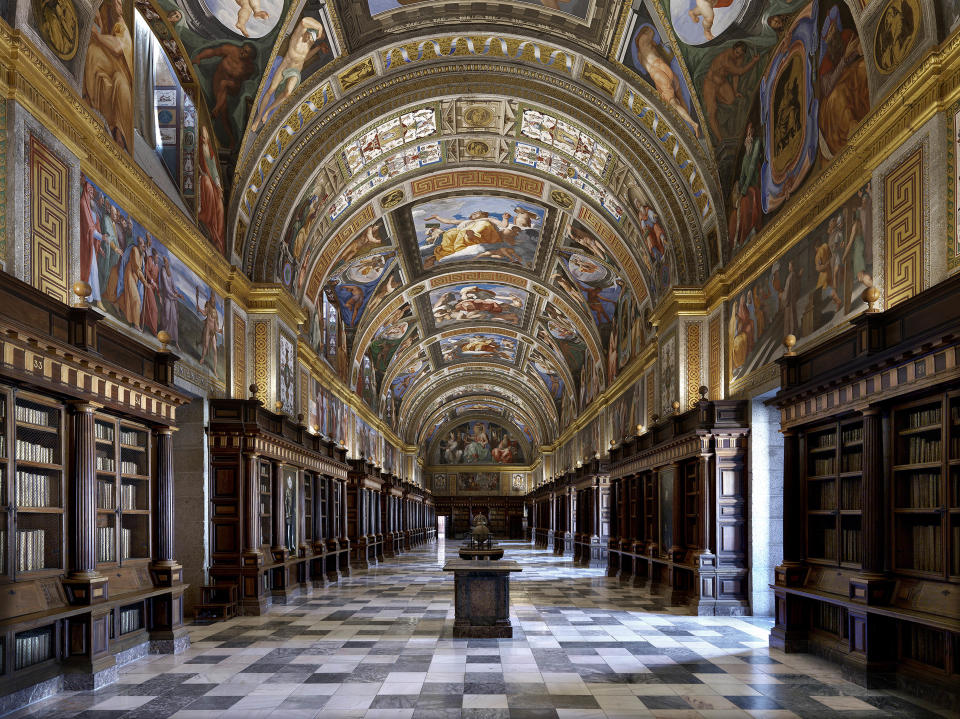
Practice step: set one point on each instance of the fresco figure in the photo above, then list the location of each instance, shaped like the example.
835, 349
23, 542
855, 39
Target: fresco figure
235, 66
169, 320
210, 197
302, 45
130, 289
108, 72
702, 11
211, 327
149, 315
654, 60
248, 9
844, 94
747, 213
721, 84
91, 243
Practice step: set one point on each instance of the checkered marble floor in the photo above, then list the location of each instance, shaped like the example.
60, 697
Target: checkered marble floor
380, 645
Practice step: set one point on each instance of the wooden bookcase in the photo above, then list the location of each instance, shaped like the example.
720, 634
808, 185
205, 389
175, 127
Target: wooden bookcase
278, 522
124, 491
871, 421
86, 496
681, 508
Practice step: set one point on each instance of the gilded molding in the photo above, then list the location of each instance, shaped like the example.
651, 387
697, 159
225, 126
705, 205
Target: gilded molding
693, 363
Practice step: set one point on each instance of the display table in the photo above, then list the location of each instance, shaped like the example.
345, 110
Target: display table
482, 597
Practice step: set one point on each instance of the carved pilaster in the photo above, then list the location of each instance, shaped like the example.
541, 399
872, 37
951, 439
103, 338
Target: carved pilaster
871, 586
165, 570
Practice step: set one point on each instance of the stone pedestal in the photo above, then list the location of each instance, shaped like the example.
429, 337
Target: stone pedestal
482, 597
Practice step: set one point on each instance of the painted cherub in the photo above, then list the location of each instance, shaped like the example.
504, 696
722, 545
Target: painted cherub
248, 8
703, 12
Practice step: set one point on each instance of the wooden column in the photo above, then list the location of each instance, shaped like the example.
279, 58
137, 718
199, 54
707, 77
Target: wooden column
278, 547
84, 584
165, 570
870, 585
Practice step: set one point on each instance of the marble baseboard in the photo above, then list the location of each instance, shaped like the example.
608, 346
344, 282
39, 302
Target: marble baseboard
28, 695
176, 645
82, 681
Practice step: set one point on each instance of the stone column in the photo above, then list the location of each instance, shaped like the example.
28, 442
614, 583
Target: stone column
84, 584
789, 573
165, 570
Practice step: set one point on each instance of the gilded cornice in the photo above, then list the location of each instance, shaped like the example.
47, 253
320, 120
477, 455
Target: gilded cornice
264, 299
679, 302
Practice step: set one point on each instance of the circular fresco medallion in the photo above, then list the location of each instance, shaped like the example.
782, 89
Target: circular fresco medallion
57, 22
896, 34
478, 116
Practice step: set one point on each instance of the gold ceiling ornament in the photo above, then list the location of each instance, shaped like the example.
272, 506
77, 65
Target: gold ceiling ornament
478, 116
561, 199
392, 199
356, 74
477, 148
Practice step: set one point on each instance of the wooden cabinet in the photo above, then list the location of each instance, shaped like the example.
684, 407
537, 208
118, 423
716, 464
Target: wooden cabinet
278, 520
680, 508
86, 496
871, 421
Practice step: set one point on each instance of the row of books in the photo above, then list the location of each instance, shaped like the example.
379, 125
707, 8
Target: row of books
829, 544
827, 440
921, 449
829, 618
922, 490
954, 413
135, 439
954, 448
851, 494
103, 431
852, 434
851, 462
850, 545
821, 495
130, 468
33, 648
927, 548
32, 490
106, 544
823, 466
130, 620
105, 464
104, 495
31, 548
30, 415
925, 645
3, 551
30, 452
923, 418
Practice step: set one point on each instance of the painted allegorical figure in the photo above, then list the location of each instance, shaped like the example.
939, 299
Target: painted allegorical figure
845, 96
108, 72
91, 241
210, 206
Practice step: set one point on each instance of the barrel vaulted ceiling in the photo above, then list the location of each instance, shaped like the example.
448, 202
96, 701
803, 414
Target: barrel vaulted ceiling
478, 204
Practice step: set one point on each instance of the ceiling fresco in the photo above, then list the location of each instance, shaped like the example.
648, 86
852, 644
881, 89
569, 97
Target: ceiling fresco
479, 204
